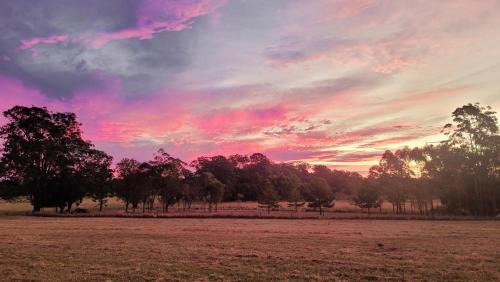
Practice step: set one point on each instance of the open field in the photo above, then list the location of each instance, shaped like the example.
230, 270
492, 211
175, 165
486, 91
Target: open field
115, 205
244, 249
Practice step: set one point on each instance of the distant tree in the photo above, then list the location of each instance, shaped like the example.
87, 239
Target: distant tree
268, 198
98, 176
319, 195
303, 171
420, 192
367, 197
284, 184
41, 154
288, 185
191, 191
446, 171
295, 199
147, 191
212, 189
128, 183
253, 176
392, 175
168, 178
339, 180
224, 169
239, 161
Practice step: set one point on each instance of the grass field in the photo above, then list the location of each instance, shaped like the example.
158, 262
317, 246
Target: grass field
115, 205
101, 249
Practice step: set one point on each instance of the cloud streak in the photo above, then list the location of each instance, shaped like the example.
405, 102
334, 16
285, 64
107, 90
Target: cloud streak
28, 43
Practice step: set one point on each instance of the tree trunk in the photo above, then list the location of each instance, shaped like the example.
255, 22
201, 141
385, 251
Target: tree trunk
101, 203
36, 206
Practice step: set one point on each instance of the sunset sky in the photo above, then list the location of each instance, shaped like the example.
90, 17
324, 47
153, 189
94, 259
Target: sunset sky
327, 82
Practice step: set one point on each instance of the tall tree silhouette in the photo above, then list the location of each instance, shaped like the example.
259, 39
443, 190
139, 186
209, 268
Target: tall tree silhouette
42, 152
98, 176
128, 183
474, 130
319, 195
169, 178
392, 175
212, 189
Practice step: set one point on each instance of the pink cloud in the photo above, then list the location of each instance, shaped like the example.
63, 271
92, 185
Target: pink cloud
352, 157
406, 102
28, 43
394, 64
383, 143
175, 12
140, 33
382, 36
109, 117
434, 94
387, 54
155, 16
349, 8
6, 58
112, 117
241, 120
106, 116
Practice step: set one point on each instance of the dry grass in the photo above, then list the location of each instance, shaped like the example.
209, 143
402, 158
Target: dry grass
102, 249
114, 205
23, 207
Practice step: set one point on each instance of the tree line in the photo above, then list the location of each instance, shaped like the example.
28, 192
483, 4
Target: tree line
463, 171
46, 160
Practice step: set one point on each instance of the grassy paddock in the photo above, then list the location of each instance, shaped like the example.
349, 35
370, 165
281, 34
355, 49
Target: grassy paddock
115, 205
60, 249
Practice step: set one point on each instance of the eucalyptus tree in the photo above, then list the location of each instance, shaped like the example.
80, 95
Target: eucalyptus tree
98, 177
268, 197
226, 170
367, 196
319, 194
168, 178
42, 152
392, 175
475, 131
212, 190
128, 184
